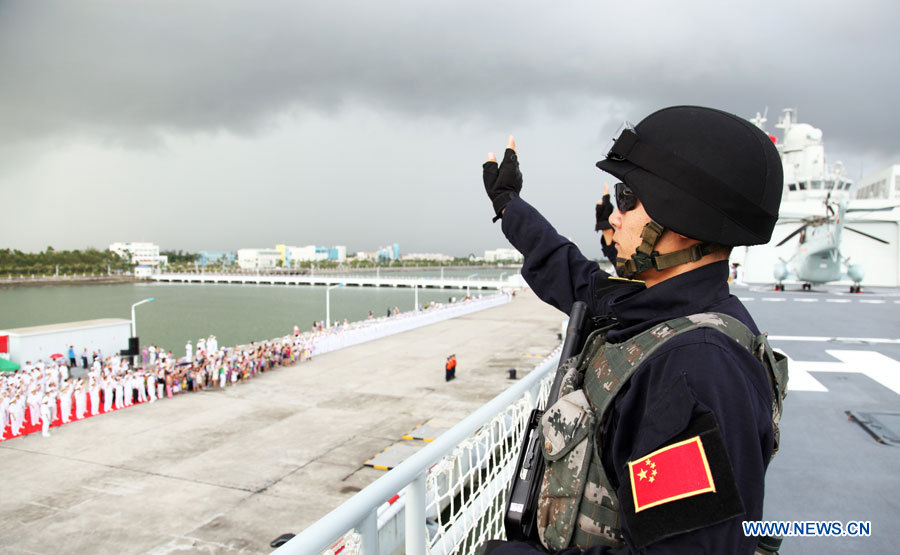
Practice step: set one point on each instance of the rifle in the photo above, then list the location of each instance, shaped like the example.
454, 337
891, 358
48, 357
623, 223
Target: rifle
521, 507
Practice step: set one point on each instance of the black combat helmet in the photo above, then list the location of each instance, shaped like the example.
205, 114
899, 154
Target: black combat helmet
703, 173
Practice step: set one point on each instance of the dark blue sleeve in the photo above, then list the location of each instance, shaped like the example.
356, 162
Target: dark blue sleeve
609, 251
554, 267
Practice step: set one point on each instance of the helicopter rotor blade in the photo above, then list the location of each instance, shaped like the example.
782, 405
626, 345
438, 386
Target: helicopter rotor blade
884, 209
847, 227
795, 232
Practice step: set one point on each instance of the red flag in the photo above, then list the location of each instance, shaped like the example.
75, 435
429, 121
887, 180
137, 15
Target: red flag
674, 472
4, 343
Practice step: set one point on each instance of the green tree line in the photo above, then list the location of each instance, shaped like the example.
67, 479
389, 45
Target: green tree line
14, 261
180, 257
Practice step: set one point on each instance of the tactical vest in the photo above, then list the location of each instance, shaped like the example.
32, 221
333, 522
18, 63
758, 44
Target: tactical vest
578, 505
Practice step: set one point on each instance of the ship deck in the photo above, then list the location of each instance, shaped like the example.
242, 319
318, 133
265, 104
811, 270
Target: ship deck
228, 471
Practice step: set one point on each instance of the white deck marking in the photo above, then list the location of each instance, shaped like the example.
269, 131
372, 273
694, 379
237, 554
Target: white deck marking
806, 300
823, 339
876, 366
799, 378
881, 368
837, 300
871, 301
748, 299
774, 299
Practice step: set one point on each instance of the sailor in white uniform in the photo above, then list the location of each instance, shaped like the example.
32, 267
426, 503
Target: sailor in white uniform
94, 390
34, 404
108, 387
150, 382
80, 399
17, 417
140, 383
65, 402
53, 391
4, 412
119, 386
46, 419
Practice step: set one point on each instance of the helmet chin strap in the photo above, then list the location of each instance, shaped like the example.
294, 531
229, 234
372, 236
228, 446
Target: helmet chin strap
645, 258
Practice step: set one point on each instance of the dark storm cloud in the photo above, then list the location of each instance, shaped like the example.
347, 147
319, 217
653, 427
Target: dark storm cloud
124, 70
141, 94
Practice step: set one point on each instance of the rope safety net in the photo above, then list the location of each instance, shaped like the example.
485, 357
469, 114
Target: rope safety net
466, 490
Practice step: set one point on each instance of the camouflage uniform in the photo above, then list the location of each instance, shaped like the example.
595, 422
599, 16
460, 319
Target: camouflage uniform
578, 504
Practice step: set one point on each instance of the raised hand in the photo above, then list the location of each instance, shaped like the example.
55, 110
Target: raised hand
603, 211
503, 183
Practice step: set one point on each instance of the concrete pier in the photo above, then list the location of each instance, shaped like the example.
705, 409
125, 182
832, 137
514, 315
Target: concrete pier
227, 471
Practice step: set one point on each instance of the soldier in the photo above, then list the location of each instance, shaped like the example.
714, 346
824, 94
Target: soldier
682, 414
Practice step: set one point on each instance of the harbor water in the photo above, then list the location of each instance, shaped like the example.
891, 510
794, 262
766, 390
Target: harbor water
235, 314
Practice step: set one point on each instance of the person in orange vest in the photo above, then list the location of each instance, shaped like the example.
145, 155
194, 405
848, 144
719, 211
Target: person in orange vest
452, 367
449, 369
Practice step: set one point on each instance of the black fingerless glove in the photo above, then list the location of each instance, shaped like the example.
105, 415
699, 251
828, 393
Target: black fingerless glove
603, 212
504, 183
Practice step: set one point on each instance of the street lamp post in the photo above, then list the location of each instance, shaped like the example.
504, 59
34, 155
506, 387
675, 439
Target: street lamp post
416, 289
467, 282
328, 304
133, 325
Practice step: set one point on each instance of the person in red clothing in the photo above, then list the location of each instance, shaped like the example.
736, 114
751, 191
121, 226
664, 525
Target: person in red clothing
449, 368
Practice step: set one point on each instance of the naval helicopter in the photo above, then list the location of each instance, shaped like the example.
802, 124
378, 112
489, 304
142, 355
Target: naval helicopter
817, 258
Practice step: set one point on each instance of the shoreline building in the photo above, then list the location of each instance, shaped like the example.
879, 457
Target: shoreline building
286, 256
144, 254
290, 256
258, 259
227, 258
389, 253
503, 255
426, 257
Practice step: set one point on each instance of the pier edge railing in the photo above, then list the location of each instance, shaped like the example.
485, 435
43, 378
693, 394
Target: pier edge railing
406, 483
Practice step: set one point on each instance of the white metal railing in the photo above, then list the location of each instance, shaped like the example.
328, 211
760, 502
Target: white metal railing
452, 492
349, 280
327, 341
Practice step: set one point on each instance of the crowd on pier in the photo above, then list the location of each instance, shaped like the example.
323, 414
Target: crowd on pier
44, 394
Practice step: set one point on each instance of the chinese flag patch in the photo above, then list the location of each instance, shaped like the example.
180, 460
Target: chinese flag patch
674, 472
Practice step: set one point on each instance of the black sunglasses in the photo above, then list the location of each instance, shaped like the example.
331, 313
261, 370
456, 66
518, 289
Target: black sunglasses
625, 198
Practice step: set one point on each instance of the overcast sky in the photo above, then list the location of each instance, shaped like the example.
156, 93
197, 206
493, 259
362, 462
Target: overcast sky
222, 124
